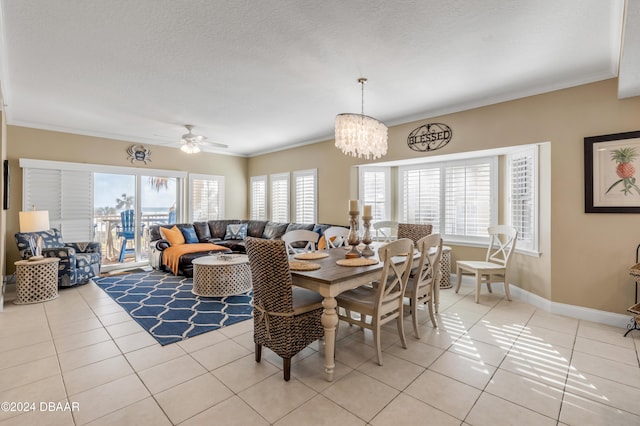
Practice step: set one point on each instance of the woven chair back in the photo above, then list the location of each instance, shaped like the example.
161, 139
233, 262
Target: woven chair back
414, 231
270, 274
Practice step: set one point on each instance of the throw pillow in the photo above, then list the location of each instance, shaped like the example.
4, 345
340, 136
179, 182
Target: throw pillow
190, 236
322, 242
236, 231
173, 235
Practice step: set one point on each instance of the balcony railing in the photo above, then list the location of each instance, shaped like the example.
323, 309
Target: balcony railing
106, 228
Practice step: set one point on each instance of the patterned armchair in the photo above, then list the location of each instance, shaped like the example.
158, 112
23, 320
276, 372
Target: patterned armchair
79, 262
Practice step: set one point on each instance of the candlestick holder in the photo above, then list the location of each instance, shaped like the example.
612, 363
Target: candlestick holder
354, 239
366, 238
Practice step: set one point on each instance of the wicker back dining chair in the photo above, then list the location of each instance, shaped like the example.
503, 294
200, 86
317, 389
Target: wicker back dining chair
425, 279
496, 263
382, 302
414, 231
286, 319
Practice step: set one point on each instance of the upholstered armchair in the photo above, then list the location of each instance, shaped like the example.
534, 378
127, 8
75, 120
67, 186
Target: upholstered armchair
79, 262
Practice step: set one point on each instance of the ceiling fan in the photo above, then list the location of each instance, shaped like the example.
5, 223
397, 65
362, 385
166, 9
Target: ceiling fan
190, 142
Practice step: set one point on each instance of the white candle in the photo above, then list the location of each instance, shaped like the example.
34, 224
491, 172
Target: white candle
367, 210
353, 205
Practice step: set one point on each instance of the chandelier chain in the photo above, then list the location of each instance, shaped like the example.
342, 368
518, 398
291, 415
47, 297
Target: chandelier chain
362, 82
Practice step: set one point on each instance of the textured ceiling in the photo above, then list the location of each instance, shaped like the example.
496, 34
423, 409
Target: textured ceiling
266, 75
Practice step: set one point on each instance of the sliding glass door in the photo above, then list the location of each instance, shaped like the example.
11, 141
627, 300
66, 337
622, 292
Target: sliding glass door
151, 200
113, 194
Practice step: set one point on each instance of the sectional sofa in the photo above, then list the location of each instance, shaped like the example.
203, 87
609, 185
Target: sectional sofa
227, 235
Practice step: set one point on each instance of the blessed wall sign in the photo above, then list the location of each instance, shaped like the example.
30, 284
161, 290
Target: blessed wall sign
429, 137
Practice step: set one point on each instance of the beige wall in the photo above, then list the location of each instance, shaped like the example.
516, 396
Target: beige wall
56, 146
591, 252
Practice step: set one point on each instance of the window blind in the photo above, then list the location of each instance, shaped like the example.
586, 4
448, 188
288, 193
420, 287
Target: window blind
304, 196
207, 197
68, 197
459, 198
468, 195
374, 191
280, 197
420, 196
522, 179
258, 208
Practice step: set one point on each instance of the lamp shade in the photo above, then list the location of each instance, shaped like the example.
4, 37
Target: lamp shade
34, 220
360, 136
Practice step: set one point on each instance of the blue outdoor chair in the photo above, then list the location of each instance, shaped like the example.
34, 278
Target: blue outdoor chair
126, 231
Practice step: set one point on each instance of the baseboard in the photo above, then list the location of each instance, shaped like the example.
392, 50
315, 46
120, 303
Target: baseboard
573, 311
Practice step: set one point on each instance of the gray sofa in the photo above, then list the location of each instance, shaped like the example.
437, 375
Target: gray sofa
228, 233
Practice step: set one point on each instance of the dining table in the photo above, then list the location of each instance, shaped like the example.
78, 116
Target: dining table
331, 279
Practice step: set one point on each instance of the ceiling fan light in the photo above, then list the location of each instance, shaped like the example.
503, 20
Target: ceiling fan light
190, 148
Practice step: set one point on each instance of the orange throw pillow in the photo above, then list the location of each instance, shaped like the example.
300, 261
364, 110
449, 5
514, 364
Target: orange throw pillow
173, 235
322, 242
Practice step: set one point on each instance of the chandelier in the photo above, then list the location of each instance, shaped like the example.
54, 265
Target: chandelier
360, 135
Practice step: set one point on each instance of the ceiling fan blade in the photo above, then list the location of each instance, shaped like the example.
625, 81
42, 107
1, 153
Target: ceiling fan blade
215, 144
194, 139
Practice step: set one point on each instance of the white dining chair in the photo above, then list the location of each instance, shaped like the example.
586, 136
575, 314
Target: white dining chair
496, 264
383, 302
425, 279
385, 230
335, 236
307, 241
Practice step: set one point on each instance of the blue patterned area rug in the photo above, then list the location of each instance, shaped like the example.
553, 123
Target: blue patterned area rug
164, 305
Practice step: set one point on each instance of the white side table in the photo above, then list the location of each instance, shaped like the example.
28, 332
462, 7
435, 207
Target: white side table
36, 280
445, 267
213, 276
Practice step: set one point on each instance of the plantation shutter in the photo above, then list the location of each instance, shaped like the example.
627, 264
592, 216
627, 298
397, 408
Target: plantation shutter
304, 196
374, 191
207, 197
258, 208
468, 199
68, 197
280, 197
522, 180
421, 196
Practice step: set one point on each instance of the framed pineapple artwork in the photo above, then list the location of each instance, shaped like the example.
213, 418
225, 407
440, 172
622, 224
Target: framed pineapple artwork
612, 173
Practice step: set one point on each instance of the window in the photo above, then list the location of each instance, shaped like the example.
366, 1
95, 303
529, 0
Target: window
68, 197
469, 190
522, 205
420, 196
374, 191
305, 196
85, 200
280, 197
206, 197
258, 207
459, 198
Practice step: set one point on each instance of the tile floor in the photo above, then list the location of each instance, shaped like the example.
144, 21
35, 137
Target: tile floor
496, 363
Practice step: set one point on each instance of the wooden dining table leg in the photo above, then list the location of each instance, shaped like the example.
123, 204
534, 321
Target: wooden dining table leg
329, 322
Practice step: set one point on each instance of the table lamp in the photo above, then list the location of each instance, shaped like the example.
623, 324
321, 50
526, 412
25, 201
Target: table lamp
31, 222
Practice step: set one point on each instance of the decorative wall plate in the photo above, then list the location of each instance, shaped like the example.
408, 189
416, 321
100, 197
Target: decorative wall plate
139, 153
